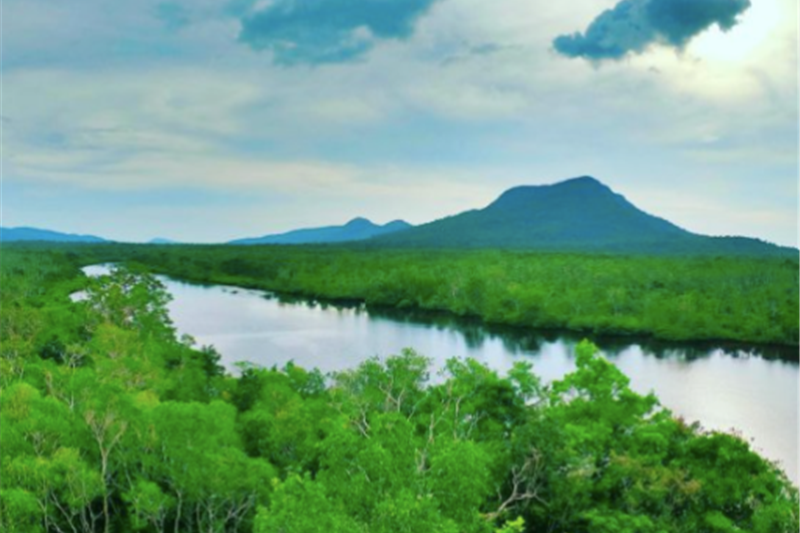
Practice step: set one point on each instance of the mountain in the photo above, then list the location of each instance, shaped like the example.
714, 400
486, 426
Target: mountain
36, 234
161, 240
357, 229
579, 214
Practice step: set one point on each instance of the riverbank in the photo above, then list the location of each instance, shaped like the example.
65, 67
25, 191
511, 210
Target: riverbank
749, 300
720, 390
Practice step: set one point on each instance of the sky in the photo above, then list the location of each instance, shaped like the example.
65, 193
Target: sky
209, 120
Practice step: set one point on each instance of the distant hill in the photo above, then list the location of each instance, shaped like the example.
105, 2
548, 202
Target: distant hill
161, 240
579, 214
357, 229
36, 234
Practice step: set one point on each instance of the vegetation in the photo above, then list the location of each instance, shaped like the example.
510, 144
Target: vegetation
108, 422
746, 299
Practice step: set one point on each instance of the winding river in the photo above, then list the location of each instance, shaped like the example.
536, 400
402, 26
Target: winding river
753, 390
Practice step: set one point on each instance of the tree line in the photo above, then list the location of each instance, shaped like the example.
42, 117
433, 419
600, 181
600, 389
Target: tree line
677, 298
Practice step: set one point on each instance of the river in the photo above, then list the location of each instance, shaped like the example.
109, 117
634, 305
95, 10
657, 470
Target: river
753, 391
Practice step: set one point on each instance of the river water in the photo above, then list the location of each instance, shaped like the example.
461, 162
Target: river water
753, 391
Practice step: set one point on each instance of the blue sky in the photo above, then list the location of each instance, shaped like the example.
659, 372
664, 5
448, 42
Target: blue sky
207, 120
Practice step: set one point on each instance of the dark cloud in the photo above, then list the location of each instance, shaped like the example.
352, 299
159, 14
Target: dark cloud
327, 31
633, 25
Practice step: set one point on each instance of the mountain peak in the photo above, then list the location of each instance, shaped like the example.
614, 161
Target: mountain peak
360, 222
397, 224
580, 213
582, 181
582, 188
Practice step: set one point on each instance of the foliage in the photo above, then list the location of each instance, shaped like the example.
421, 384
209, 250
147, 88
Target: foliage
679, 298
110, 423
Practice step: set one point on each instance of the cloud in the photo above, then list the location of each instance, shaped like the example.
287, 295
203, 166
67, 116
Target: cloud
633, 25
173, 15
135, 108
327, 31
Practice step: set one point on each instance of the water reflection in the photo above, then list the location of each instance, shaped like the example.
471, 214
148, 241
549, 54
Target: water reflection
524, 340
722, 385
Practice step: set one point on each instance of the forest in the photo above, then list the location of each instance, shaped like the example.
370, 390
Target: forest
676, 298
111, 423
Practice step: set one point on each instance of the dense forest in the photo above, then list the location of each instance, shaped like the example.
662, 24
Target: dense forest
110, 423
677, 298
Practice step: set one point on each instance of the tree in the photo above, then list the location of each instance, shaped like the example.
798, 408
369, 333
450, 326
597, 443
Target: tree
289, 510
130, 300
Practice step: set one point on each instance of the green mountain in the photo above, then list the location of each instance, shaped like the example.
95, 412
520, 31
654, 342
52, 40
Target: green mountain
357, 229
36, 234
579, 214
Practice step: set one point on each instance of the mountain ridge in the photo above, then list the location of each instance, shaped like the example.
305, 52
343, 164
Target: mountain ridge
580, 214
30, 234
357, 229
